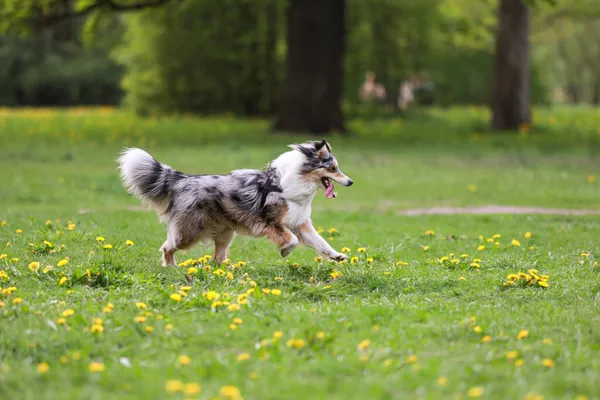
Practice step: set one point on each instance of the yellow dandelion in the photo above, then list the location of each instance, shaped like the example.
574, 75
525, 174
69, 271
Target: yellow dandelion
475, 392
345, 250
61, 321
543, 284
108, 246
471, 188
486, 339
277, 335
169, 327
192, 270
191, 389
243, 356
97, 328
19, 231
515, 242
477, 329
364, 344
174, 386
528, 235
275, 292
532, 396
462, 278
238, 321
96, 367
184, 359
230, 392
425, 248
319, 258
401, 263
99, 239
63, 359
522, 334
175, 297
63, 280
62, 262
547, 341
353, 260
43, 367
411, 359
34, 266
129, 242
212, 295
17, 300
548, 363
67, 313
296, 343
140, 319
233, 307
335, 274
369, 260
519, 362
481, 248
442, 381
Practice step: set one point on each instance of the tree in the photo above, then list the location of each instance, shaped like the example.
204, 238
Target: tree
311, 96
27, 15
510, 74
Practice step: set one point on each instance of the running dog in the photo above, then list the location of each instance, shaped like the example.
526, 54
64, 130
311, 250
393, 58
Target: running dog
275, 202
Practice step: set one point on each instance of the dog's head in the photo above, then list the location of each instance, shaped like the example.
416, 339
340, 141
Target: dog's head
320, 166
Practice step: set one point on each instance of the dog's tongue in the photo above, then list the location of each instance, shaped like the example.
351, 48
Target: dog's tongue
329, 193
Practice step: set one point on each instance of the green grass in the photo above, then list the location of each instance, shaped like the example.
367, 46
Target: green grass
61, 165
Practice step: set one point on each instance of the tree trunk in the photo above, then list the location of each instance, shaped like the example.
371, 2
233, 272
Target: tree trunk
510, 76
312, 92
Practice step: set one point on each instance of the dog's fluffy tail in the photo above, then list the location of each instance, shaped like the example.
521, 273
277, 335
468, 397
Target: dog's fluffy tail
148, 179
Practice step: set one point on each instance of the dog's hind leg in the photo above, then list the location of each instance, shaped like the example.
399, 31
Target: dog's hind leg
183, 233
222, 242
168, 254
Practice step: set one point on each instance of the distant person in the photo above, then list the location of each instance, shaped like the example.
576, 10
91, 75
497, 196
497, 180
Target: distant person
371, 90
406, 94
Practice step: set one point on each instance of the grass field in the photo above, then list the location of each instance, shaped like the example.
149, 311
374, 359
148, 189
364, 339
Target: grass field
422, 311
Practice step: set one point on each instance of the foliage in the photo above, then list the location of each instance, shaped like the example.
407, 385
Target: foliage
42, 72
204, 56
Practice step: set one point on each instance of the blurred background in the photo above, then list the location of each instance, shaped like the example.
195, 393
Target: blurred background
309, 65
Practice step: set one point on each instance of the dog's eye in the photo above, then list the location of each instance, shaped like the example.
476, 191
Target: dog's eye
333, 168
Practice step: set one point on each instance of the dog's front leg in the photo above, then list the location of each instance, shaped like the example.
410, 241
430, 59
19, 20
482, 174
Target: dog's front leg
309, 236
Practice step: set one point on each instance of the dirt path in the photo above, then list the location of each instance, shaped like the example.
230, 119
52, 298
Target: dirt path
495, 209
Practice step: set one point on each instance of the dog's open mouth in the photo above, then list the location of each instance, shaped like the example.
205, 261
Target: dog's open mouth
328, 185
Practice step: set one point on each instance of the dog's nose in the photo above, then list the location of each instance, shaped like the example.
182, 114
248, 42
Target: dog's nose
350, 182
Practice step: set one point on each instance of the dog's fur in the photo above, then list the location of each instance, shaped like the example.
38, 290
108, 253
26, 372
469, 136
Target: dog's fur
275, 202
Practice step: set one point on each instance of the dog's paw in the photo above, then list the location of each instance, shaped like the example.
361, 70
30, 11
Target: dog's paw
286, 251
338, 257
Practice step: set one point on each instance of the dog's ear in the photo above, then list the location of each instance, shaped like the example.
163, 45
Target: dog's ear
323, 149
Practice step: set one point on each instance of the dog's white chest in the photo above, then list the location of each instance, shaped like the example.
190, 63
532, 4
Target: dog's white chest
297, 214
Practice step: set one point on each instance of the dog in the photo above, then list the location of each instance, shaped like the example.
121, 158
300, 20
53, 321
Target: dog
274, 202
